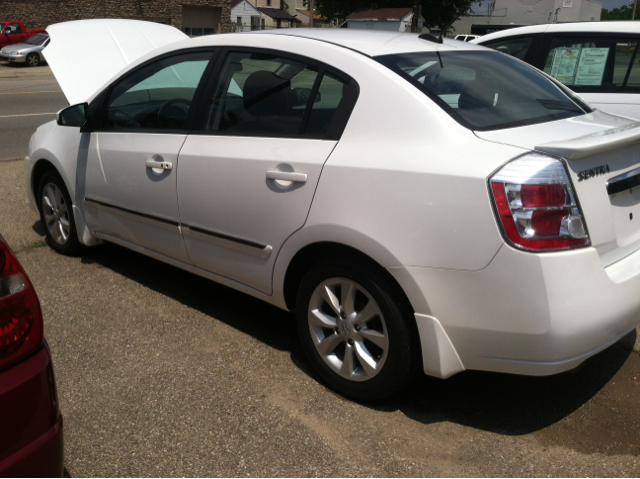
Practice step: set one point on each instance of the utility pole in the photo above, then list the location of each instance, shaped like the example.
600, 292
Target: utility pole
416, 14
635, 4
311, 10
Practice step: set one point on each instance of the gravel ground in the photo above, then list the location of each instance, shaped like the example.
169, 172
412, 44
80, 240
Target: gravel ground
162, 373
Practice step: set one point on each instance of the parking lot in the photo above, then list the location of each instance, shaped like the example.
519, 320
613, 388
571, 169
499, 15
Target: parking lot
163, 373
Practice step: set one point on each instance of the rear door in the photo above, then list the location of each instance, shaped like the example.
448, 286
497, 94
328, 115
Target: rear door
248, 176
133, 162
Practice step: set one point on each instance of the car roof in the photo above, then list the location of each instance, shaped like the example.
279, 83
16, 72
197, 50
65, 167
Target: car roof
369, 42
587, 27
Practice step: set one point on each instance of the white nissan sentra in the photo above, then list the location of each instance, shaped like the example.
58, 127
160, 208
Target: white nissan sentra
417, 204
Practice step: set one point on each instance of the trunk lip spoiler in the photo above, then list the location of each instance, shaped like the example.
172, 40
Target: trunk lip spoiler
594, 143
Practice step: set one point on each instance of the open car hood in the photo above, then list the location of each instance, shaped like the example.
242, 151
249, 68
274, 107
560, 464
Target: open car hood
85, 54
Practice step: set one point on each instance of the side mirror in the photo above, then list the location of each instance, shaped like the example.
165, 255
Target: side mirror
75, 115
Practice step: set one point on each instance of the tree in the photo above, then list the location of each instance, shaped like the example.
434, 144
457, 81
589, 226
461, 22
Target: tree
622, 13
436, 13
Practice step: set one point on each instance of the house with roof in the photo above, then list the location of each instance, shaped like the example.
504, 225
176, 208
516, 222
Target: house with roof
390, 19
303, 15
244, 16
276, 18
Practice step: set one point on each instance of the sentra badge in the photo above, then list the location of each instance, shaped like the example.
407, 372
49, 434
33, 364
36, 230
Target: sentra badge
593, 172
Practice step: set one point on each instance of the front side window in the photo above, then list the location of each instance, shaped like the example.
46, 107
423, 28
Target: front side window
516, 47
591, 65
158, 96
485, 90
14, 28
267, 95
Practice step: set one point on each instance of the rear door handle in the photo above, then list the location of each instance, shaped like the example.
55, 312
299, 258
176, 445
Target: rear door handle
287, 176
162, 165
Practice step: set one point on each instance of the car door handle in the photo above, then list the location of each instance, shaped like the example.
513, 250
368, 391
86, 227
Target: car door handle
287, 176
162, 165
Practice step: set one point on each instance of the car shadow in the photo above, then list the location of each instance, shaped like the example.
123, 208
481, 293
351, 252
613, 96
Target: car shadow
501, 403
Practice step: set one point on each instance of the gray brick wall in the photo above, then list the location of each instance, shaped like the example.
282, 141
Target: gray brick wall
40, 13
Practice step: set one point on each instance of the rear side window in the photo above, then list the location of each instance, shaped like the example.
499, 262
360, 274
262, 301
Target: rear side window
516, 47
485, 90
260, 94
592, 65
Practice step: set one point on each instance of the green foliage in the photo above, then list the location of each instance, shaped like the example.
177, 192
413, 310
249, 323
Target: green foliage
622, 13
436, 13
284, 5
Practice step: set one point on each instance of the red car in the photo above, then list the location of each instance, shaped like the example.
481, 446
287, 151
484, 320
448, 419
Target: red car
31, 443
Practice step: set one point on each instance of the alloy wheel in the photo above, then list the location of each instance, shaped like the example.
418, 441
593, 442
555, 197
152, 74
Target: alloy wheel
348, 329
56, 213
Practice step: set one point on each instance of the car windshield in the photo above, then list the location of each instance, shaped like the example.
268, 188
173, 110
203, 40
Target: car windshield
486, 90
38, 39
2, 25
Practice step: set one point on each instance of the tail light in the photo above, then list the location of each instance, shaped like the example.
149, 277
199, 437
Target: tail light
20, 316
536, 204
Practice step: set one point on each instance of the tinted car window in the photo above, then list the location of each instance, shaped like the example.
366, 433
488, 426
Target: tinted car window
485, 90
267, 95
158, 96
516, 47
593, 64
38, 39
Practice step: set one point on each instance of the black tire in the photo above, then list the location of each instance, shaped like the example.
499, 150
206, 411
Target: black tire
60, 216
33, 60
394, 363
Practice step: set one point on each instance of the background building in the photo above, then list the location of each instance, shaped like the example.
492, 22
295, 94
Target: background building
390, 19
194, 17
244, 16
503, 14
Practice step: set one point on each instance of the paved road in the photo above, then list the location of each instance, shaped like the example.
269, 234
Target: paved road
29, 97
162, 373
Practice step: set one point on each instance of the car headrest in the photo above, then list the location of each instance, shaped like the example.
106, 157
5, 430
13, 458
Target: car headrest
265, 94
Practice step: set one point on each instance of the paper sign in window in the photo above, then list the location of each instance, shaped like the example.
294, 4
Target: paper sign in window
565, 61
591, 66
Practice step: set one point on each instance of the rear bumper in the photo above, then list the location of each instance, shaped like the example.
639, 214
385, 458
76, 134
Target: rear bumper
41, 458
31, 442
533, 314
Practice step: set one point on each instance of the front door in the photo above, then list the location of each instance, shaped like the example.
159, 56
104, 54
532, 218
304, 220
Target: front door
130, 194
248, 177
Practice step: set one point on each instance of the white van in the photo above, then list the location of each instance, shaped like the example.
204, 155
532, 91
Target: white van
597, 60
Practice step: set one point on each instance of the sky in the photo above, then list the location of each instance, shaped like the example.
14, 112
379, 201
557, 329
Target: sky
607, 4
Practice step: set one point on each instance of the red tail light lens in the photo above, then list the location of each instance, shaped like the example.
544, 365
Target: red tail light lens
21, 328
536, 204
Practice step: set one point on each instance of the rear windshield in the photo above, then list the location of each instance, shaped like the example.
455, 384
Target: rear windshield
486, 90
38, 39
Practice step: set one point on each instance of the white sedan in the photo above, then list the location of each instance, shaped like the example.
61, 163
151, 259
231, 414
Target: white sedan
420, 205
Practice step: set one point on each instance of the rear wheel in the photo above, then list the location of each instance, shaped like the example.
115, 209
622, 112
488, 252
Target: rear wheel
56, 214
33, 59
353, 329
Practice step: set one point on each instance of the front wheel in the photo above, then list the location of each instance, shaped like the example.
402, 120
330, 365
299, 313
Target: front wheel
353, 329
33, 59
56, 214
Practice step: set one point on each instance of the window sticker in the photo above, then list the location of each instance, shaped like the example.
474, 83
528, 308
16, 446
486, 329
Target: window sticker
591, 66
565, 61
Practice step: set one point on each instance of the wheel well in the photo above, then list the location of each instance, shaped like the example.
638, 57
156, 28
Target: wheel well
311, 254
40, 169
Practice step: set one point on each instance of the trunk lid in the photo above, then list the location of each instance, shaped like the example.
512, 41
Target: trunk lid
602, 152
85, 54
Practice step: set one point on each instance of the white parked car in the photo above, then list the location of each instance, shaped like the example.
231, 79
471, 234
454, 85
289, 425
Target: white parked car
597, 60
466, 38
417, 204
